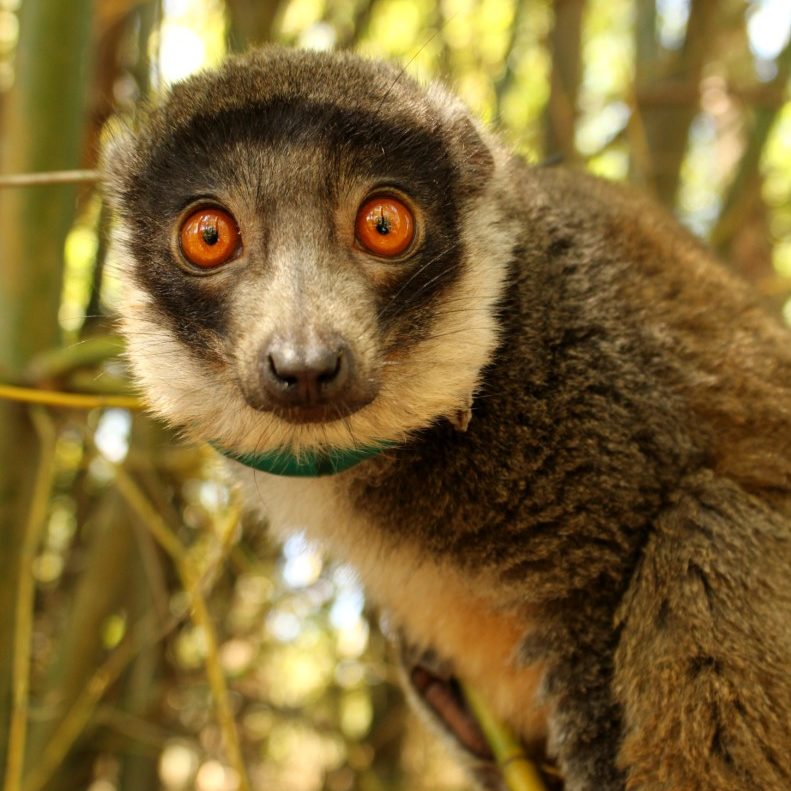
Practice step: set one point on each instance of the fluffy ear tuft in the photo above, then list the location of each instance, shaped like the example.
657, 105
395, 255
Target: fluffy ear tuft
116, 160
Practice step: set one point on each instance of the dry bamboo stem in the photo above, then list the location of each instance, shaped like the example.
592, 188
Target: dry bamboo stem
43, 178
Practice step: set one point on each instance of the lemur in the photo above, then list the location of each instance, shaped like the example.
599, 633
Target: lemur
550, 432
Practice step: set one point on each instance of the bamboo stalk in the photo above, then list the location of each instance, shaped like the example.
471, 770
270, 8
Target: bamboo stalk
519, 773
200, 614
43, 117
566, 52
46, 177
26, 588
738, 194
57, 398
507, 77
73, 722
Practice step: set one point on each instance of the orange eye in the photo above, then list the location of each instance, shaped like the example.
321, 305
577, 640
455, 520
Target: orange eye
385, 226
209, 237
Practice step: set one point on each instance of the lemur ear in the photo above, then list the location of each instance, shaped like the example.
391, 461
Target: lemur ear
475, 152
472, 145
116, 160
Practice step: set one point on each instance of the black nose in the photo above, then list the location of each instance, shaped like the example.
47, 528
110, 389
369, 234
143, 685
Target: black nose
306, 374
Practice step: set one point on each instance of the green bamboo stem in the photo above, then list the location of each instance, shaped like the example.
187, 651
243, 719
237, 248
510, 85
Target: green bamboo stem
519, 773
56, 398
507, 78
26, 588
43, 117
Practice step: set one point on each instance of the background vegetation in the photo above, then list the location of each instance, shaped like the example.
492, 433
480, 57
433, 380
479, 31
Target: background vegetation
150, 639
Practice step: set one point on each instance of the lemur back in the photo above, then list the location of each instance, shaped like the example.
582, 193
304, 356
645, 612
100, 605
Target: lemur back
559, 432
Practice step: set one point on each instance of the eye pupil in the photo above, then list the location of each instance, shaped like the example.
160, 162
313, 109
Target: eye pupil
210, 234
382, 225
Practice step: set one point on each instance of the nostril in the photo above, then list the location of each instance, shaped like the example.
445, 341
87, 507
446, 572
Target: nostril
330, 374
282, 374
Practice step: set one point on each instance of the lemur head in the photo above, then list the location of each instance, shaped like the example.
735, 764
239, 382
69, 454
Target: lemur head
312, 248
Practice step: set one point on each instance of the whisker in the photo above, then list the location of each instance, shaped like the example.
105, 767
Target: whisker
422, 268
403, 69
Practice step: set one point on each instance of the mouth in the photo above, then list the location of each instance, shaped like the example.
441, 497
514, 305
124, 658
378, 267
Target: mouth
310, 411
315, 413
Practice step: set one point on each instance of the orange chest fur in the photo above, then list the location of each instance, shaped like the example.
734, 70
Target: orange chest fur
438, 609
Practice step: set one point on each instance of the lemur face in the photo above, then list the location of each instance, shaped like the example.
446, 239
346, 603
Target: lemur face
311, 252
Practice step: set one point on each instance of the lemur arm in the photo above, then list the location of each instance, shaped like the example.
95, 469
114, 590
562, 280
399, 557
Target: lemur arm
705, 694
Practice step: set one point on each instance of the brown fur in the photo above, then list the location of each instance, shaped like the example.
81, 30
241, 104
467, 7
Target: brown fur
605, 550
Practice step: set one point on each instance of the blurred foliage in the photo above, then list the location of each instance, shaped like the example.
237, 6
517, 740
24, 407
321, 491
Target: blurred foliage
134, 596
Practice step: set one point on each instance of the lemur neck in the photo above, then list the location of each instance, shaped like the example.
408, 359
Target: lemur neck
306, 464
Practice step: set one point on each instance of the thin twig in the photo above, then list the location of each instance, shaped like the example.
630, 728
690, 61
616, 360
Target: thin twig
31, 395
519, 773
26, 589
200, 613
49, 177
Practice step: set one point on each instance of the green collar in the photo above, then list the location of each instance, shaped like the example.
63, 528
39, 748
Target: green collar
309, 464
